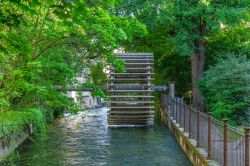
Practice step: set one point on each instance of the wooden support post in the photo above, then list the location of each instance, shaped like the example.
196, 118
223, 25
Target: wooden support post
225, 142
247, 129
198, 128
209, 156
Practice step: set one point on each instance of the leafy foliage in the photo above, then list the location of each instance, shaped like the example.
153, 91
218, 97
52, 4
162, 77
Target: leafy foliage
46, 43
14, 122
173, 31
95, 90
225, 87
52, 42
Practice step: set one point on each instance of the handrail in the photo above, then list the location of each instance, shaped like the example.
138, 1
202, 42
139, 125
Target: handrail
226, 144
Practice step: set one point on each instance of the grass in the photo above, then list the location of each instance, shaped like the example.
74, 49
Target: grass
14, 122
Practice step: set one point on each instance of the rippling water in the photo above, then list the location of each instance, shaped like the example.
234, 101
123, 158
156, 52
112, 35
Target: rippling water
85, 139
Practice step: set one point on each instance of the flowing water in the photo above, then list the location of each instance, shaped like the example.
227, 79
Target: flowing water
86, 140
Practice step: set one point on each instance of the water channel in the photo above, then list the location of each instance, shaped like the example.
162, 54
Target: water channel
86, 140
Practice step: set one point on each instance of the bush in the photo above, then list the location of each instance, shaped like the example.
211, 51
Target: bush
226, 89
14, 122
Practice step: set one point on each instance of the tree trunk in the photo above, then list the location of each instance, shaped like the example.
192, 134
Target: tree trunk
197, 62
197, 72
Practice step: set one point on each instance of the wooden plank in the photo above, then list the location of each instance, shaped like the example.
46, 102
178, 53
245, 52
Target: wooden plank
134, 54
131, 79
130, 74
128, 90
127, 64
139, 68
132, 102
131, 107
136, 57
131, 117
131, 120
130, 112
137, 60
142, 96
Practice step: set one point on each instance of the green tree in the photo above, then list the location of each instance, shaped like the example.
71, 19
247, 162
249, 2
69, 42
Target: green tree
46, 43
183, 28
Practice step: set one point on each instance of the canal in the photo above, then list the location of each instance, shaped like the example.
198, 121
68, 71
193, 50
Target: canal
85, 139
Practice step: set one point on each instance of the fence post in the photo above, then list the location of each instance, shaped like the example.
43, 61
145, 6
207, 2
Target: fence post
172, 107
180, 111
247, 129
184, 114
189, 121
171, 89
176, 112
209, 136
225, 142
198, 128
172, 95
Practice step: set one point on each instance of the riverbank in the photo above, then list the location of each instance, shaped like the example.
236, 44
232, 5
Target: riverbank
16, 126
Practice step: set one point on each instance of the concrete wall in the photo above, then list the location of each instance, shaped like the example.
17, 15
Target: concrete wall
8, 145
196, 155
85, 100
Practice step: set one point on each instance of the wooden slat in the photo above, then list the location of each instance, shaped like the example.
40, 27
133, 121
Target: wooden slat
132, 102
142, 96
132, 117
127, 64
131, 107
139, 68
131, 74
137, 60
132, 79
136, 57
134, 54
131, 112
126, 91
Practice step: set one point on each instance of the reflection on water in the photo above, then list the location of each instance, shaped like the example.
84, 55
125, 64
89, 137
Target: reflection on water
85, 139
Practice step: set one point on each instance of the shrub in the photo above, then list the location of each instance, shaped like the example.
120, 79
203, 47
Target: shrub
226, 88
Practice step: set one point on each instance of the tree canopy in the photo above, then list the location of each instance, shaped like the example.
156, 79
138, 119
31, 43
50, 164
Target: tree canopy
46, 43
52, 42
189, 31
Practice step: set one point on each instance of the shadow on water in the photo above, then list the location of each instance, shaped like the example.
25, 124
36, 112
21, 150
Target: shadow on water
85, 139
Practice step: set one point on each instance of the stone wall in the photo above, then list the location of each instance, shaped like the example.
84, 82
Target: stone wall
8, 145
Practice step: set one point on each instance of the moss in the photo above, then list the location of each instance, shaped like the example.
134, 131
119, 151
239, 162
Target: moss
14, 122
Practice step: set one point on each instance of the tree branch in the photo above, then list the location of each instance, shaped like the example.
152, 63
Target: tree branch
52, 44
